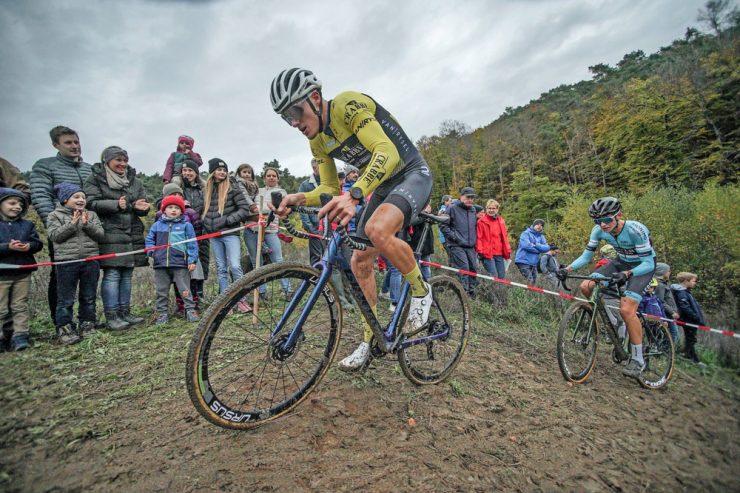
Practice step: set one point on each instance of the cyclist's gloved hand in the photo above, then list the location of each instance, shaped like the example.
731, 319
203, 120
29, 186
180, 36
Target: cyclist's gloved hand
620, 278
562, 274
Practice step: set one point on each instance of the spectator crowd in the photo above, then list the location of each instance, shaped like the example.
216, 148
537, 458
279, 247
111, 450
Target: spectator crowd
97, 210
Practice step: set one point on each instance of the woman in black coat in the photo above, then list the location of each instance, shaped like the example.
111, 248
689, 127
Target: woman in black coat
117, 196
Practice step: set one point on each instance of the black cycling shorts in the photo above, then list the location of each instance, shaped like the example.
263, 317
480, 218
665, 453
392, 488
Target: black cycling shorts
636, 285
409, 190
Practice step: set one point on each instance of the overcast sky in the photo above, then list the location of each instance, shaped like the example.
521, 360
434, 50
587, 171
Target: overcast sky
139, 73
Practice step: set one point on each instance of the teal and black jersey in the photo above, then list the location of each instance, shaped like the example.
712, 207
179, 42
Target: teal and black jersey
632, 244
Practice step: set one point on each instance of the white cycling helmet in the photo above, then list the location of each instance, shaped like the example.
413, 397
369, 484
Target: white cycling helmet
291, 86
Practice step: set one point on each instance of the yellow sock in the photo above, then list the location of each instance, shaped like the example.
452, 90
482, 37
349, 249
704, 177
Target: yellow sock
367, 331
416, 281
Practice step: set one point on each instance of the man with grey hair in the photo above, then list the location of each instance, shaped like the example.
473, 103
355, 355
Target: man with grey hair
66, 167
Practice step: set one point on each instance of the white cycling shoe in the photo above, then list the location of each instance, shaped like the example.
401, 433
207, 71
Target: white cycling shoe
357, 359
419, 309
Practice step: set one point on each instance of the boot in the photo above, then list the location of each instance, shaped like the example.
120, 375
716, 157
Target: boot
68, 334
115, 322
125, 314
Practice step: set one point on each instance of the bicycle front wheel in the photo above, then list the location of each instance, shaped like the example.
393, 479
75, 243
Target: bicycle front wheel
241, 371
658, 352
577, 342
432, 362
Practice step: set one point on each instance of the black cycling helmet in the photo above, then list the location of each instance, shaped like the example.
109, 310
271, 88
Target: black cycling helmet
291, 86
605, 206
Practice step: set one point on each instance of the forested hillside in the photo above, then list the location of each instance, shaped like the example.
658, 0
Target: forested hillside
662, 126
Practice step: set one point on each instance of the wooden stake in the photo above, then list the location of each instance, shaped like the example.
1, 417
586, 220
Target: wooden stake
258, 261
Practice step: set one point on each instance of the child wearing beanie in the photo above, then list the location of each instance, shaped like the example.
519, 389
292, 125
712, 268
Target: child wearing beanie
172, 263
184, 151
75, 233
196, 276
664, 293
18, 242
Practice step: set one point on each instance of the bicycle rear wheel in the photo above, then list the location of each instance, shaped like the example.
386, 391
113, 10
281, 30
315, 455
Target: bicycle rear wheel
658, 352
434, 361
239, 374
577, 342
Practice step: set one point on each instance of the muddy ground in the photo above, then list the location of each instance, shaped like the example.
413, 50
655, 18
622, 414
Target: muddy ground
112, 414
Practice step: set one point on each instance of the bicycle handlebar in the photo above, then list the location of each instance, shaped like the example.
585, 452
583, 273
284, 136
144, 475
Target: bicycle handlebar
325, 198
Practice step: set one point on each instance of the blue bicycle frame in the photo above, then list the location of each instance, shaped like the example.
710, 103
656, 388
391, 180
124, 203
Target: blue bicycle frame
387, 340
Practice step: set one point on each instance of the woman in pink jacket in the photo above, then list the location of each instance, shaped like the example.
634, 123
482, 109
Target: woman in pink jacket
493, 240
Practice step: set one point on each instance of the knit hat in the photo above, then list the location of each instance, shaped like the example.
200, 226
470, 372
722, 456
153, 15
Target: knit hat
171, 188
554, 247
661, 269
6, 193
186, 138
189, 163
172, 200
538, 221
216, 163
65, 190
112, 152
348, 168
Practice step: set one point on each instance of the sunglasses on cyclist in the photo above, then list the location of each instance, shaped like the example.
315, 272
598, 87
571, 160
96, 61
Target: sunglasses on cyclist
604, 220
293, 114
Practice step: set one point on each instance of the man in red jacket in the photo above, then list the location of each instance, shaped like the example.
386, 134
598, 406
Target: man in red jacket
493, 241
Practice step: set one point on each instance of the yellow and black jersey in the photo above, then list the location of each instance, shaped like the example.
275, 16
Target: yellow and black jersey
362, 133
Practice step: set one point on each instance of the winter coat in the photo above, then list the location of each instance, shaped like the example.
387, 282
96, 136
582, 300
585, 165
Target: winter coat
493, 238
17, 229
664, 293
236, 209
688, 308
52, 171
124, 231
461, 231
266, 194
193, 194
250, 191
651, 305
174, 164
189, 214
167, 231
74, 241
531, 244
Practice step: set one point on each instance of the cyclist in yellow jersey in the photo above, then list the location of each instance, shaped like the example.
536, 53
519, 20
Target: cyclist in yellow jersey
355, 129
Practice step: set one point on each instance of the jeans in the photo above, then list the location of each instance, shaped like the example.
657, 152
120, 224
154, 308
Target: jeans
529, 272
426, 271
673, 328
69, 276
495, 266
51, 292
276, 254
465, 258
116, 287
227, 250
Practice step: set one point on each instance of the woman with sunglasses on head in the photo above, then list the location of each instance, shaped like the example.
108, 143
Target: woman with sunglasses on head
634, 267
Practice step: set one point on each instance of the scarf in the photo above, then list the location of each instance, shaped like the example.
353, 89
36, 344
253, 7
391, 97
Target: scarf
115, 181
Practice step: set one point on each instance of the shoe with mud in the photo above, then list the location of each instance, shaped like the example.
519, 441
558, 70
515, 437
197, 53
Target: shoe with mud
125, 314
357, 359
67, 335
633, 369
115, 322
162, 318
87, 329
193, 316
419, 309
19, 342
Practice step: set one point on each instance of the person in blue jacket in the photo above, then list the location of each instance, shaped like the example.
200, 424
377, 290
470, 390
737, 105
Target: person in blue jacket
689, 311
532, 243
173, 263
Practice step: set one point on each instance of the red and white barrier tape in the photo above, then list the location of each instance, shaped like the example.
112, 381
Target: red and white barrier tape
569, 297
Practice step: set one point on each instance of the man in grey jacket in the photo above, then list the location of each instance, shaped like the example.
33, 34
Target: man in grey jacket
66, 167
